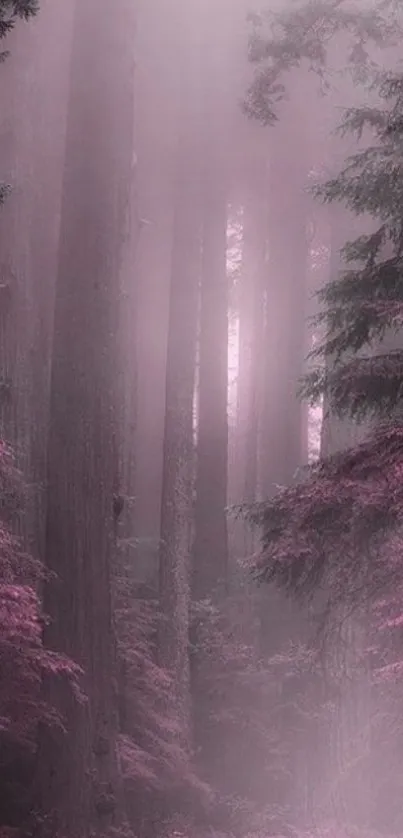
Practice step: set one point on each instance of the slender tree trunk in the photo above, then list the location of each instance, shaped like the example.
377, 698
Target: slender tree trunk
210, 558
156, 105
211, 547
79, 771
347, 759
16, 170
283, 419
250, 340
178, 452
283, 428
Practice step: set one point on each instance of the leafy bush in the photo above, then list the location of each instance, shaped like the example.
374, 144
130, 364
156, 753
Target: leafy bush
158, 772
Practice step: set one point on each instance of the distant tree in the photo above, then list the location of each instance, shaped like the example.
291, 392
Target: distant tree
210, 564
284, 431
210, 551
251, 311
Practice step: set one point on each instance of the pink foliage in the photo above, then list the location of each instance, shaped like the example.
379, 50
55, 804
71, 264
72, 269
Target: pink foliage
340, 528
23, 658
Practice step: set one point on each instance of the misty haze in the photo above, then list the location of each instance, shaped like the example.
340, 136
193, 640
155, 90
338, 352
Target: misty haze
201, 419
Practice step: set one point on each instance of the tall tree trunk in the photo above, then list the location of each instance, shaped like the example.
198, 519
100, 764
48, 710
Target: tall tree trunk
251, 310
346, 769
283, 421
178, 452
79, 771
210, 555
283, 426
16, 166
48, 114
32, 139
210, 567
32, 131
156, 105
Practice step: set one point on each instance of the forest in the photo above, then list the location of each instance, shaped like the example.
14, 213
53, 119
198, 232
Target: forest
201, 438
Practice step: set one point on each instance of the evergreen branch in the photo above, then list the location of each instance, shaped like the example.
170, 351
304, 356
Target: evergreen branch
369, 183
331, 527
303, 34
357, 119
5, 190
353, 327
360, 387
23, 9
362, 304
11, 10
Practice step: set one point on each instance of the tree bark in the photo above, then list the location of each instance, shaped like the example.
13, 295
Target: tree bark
32, 131
48, 114
79, 771
157, 100
283, 426
210, 567
210, 554
251, 310
348, 738
178, 451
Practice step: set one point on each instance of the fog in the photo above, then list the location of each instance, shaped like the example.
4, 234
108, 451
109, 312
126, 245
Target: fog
199, 588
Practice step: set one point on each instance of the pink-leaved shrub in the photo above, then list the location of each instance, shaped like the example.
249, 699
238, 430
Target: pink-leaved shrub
23, 659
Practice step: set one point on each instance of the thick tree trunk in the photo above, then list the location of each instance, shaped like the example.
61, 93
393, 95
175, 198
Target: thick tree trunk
32, 142
32, 136
79, 771
48, 103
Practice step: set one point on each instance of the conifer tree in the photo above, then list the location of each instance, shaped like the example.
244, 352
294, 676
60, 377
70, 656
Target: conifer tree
334, 538
336, 523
